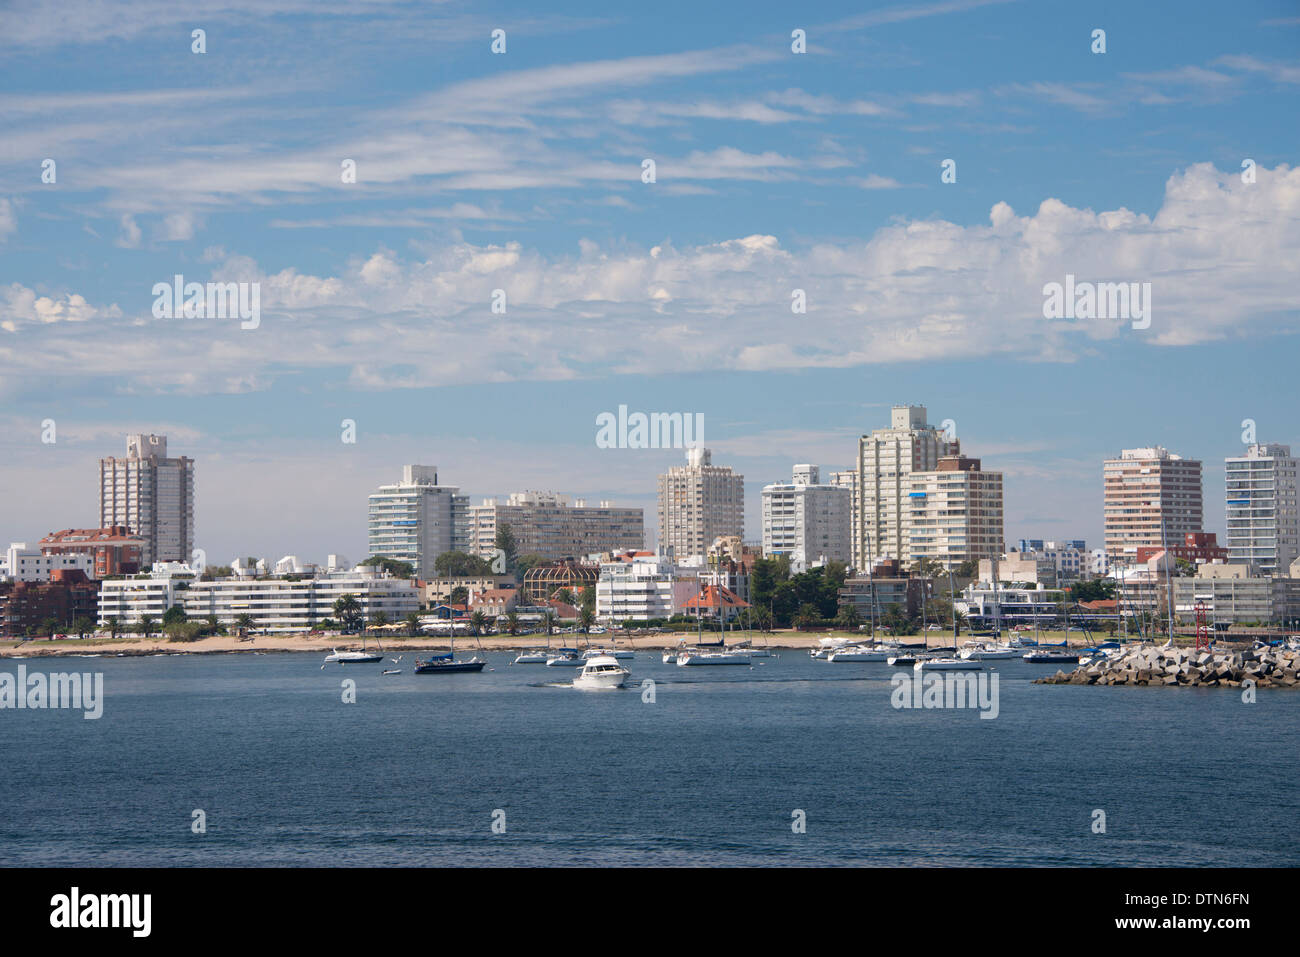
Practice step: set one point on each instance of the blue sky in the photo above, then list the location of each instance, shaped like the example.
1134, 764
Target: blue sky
522, 171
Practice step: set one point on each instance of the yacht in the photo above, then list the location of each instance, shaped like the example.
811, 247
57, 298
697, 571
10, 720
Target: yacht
947, 664
901, 660
712, 658
1051, 658
861, 653
600, 672
447, 664
352, 657
622, 654
983, 652
531, 658
670, 657
567, 658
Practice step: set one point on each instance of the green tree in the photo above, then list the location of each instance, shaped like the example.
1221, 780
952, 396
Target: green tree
348, 611
806, 616
565, 595
512, 623
588, 598
393, 566
147, 624
586, 618
174, 615
549, 618
413, 624
379, 619
83, 625
478, 622
459, 595
114, 626
505, 540
848, 617
461, 565
243, 622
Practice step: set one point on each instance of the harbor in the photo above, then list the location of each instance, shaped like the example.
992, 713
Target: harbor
707, 772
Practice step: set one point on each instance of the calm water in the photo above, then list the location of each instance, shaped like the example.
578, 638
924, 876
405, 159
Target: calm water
708, 774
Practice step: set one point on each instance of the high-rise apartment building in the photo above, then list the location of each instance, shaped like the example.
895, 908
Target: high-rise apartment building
806, 520
1151, 497
416, 520
1263, 521
886, 460
954, 513
698, 502
916, 497
152, 496
545, 524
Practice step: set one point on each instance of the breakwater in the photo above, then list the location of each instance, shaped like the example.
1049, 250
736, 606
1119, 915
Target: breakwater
1153, 665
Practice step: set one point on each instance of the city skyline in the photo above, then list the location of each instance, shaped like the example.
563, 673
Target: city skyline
777, 172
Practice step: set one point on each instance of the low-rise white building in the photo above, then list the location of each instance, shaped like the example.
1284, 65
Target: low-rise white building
275, 605
24, 564
278, 605
642, 588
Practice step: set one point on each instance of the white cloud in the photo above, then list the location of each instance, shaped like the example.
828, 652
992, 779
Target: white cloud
1222, 258
8, 222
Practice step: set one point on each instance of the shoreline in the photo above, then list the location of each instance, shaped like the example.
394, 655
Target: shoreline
786, 640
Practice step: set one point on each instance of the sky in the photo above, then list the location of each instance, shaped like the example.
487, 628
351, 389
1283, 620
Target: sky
1169, 159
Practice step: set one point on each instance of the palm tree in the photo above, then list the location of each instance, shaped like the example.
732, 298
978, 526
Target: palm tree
379, 619
550, 622
348, 611
477, 622
147, 624
114, 626
243, 623
82, 625
512, 623
413, 624
586, 618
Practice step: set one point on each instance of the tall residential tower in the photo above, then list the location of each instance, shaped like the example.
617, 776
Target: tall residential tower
416, 520
152, 496
698, 502
1151, 497
1263, 522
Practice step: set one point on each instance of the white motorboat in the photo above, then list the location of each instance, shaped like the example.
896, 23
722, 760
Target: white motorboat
568, 658
712, 658
862, 653
531, 658
947, 664
601, 672
982, 652
670, 657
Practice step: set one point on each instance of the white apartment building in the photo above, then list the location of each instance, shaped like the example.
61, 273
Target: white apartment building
24, 564
1071, 559
152, 495
130, 599
1150, 492
416, 520
699, 502
645, 587
545, 524
1262, 511
806, 520
274, 604
279, 605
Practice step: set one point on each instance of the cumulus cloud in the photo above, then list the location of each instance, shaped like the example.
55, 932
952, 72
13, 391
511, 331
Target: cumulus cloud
1221, 255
